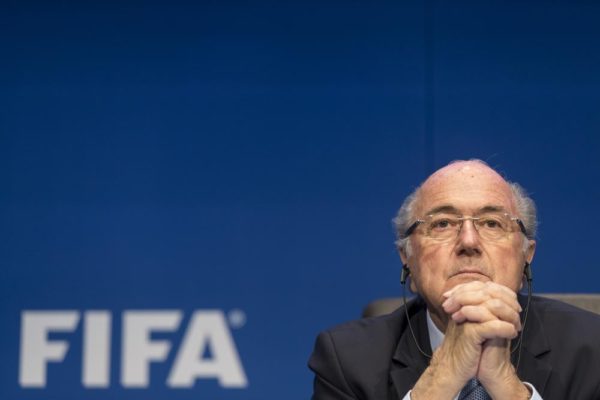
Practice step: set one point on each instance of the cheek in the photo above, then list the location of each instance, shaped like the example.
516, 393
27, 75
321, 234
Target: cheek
435, 258
508, 268
430, 267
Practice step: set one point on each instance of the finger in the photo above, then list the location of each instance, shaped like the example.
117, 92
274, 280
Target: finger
492, 287
468, 294
477, 285
474, 285
488, 311
501, 288
504, 312
503, 308
473, 314
504, 293
496, 329
465, 298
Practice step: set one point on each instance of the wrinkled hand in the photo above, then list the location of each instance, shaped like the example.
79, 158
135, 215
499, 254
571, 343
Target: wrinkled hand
483, 319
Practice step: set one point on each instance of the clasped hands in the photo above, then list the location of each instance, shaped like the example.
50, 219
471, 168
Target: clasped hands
482, 319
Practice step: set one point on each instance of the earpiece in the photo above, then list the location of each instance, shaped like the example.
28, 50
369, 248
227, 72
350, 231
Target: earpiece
404, 275
527, 272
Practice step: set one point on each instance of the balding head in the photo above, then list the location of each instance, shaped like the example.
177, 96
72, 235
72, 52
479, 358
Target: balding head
464, 178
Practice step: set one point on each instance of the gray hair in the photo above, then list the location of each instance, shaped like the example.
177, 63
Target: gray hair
525, 208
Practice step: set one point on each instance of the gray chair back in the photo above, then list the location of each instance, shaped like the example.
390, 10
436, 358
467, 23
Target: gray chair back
590, 302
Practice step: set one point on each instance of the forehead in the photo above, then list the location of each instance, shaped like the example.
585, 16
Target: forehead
466, 186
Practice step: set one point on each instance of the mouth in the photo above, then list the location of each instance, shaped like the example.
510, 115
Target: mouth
473, 273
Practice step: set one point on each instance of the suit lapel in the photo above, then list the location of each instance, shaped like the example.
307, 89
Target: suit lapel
408, 363
532, 367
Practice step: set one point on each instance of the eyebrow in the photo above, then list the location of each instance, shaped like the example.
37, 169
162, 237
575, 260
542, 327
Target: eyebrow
446, 208
450, 209
487, 209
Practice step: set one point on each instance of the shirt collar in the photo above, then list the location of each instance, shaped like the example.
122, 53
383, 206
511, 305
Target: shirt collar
436, 337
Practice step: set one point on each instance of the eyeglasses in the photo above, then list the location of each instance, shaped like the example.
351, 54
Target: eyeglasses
490, 226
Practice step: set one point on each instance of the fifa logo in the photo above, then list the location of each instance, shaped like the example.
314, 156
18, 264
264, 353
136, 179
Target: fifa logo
207, 329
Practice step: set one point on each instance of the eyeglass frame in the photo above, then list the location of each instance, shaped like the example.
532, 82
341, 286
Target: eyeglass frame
415, 224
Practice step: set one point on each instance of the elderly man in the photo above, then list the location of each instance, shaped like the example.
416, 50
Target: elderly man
466, 238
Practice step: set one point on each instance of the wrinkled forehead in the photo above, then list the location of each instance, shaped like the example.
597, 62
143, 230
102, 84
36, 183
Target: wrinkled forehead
466, 186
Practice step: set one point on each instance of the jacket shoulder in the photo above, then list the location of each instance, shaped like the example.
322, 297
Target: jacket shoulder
571, 351
353, 359
562, 319
369, 338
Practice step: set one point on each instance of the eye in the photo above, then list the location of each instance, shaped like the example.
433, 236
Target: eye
491, 223
440, 224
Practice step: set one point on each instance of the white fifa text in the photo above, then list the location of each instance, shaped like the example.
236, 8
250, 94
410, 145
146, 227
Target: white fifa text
206, 329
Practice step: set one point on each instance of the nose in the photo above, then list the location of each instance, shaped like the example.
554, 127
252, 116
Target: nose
469, 241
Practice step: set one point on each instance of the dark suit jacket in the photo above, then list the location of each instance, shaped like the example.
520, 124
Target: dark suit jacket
376, 358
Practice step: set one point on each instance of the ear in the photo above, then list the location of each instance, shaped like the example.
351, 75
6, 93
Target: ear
403, 256
413, 287
530, 251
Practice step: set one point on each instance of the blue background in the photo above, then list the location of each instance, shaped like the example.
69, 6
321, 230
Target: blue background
194, 155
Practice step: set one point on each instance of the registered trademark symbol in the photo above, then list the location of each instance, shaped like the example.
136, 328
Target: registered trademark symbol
237, 318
